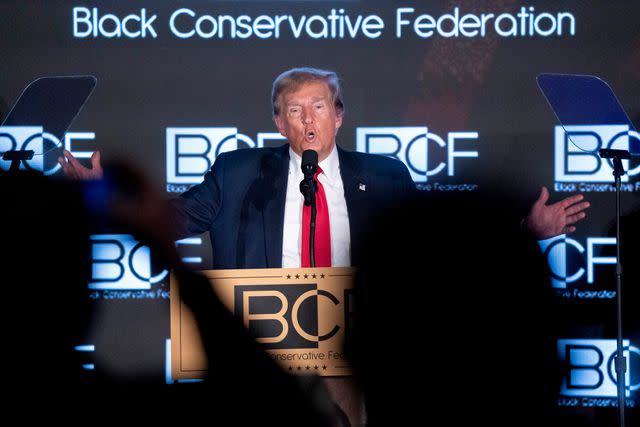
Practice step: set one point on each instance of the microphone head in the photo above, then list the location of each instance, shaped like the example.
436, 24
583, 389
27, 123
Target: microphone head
309, 161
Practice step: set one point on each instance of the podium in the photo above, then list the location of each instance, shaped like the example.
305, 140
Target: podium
300, 316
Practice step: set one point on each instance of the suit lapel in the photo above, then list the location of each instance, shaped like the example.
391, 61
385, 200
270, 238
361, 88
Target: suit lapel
275, 172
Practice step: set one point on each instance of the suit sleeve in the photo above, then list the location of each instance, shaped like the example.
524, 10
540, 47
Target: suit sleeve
196, 209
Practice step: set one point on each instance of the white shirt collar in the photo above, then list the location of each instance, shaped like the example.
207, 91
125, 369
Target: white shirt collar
330, 166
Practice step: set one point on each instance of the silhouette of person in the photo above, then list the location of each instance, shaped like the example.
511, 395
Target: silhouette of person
47, 224
455, 317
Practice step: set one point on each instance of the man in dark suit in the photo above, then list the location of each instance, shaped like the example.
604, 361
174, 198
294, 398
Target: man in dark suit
250, 201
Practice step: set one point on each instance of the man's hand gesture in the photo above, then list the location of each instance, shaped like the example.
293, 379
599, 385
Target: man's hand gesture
73, 169
546, 221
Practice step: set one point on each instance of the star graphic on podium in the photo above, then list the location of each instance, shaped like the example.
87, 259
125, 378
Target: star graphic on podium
313, 276
288, 276
315, 367
308, 367
299, 368
297, 276
306, 276
324, 367
322, 276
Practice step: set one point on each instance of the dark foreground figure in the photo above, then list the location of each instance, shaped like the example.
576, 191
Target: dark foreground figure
46, 225
455, 317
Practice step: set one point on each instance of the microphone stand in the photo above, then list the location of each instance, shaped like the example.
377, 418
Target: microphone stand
620, 361
312, 229
308, 187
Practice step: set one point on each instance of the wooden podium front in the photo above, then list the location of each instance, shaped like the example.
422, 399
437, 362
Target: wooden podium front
299, 315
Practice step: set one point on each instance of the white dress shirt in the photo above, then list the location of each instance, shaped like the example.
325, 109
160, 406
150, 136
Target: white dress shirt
331, 181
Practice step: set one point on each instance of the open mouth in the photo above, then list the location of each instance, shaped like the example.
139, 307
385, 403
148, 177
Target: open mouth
310, 135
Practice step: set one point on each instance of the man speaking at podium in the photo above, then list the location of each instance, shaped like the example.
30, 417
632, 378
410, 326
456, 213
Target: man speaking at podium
250, 200
251, 203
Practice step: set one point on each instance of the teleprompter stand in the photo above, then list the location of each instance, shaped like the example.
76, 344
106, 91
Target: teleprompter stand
579, 100
620, 362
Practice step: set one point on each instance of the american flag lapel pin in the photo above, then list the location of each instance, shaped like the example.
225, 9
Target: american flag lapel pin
362, 187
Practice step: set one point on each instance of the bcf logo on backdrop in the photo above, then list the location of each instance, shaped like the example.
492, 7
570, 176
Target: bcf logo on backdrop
119, 262
412, 145
576, 152
34, 138
590, 367
191, 151
559, 250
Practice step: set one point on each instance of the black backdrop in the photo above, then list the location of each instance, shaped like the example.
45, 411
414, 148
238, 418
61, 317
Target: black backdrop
477, 84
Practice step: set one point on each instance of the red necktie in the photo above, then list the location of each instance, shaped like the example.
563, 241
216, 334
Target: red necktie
323, 236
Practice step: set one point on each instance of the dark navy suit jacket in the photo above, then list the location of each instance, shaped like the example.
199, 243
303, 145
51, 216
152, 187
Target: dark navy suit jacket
242, 201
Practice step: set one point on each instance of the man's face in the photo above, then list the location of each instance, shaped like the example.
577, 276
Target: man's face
308, 119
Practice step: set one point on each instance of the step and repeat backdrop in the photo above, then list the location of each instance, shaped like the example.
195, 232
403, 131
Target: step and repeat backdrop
447, 87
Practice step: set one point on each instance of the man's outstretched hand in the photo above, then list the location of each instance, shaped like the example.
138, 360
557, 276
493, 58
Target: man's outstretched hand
73, 169
545, 221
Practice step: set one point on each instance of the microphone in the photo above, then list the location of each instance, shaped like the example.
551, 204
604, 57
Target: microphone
309, 169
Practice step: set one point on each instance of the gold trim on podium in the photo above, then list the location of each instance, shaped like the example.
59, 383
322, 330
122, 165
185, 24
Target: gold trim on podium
306, 311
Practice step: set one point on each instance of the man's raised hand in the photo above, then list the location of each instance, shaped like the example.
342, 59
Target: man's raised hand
545, 221
73, 169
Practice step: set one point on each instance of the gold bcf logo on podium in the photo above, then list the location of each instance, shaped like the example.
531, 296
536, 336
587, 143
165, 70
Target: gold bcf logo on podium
286, 316
302, 318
